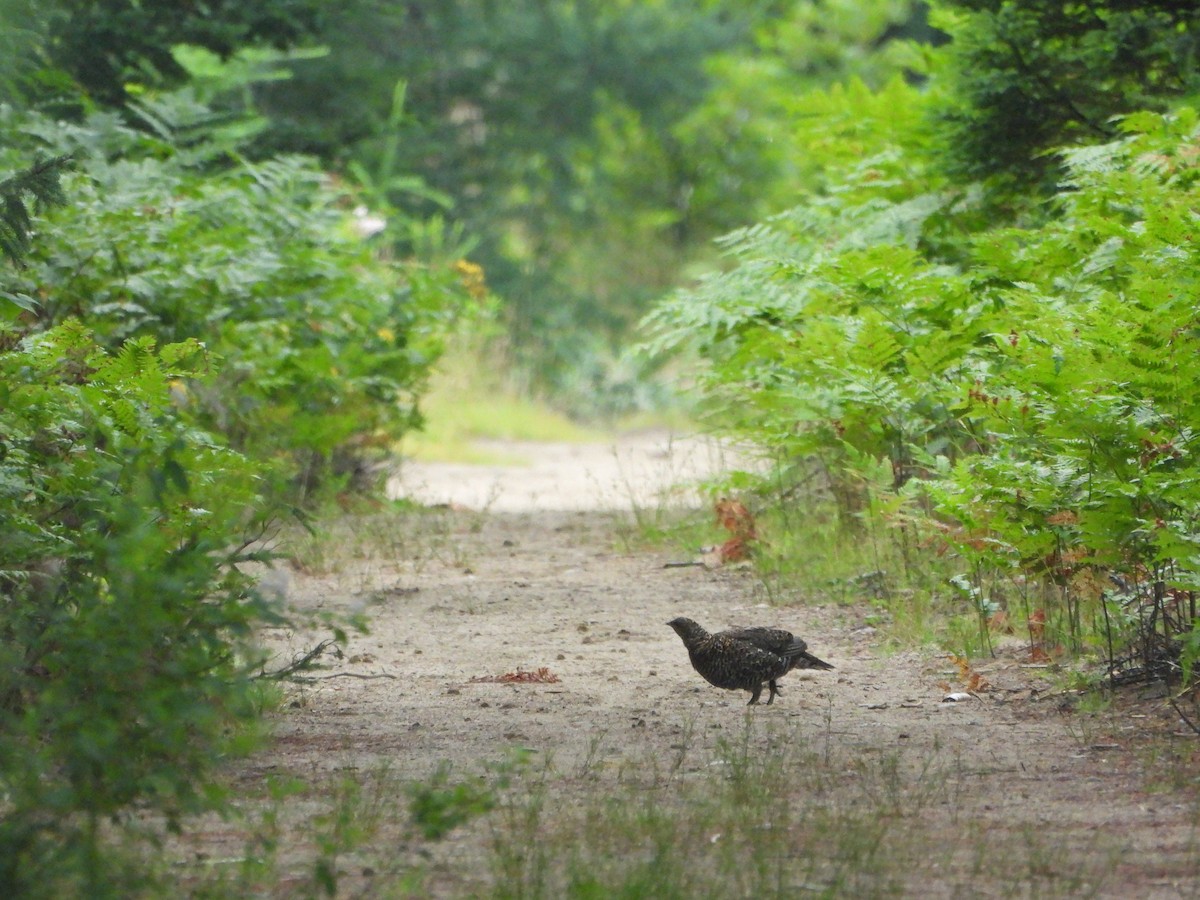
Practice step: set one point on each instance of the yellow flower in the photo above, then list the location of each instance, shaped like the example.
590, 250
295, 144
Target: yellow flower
472, 278
179, 391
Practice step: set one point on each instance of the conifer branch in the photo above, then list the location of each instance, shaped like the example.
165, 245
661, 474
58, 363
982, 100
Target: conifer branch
41, 182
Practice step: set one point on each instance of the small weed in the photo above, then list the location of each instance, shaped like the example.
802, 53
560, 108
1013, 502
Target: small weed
1095, 701
360, 833
1172, 768
438, 806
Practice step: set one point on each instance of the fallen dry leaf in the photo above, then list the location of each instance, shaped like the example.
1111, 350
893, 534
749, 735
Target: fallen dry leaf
971, 679
538, 676
734, 550
999, 623
1039, 655
733, 516
1037, 625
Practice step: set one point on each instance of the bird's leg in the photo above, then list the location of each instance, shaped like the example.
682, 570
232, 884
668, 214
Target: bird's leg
774, 691
754, 696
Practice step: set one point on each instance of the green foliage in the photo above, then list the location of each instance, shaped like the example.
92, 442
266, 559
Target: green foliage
590, 149
322, 346
40, 183
438, 807
1025, 78
192, 339
125, 626
24, 69
1031, 385
112, 48
823, 332
1089, 394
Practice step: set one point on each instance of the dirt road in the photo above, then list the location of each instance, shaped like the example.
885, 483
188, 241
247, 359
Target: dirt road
1006, 793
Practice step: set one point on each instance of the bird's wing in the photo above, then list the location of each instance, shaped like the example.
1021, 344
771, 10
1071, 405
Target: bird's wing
729, 662
773, 640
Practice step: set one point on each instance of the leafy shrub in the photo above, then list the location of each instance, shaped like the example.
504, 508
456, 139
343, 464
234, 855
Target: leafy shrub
190, 341
322, 346
1087, 387
820, 340
1024, 394
124, 624
438, 806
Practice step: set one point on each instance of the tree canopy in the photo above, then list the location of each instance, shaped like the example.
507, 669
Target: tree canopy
1030, 77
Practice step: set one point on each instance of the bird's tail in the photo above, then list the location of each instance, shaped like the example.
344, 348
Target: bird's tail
807, 661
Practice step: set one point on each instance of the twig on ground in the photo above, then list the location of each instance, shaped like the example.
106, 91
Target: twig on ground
301, 663
1182, 715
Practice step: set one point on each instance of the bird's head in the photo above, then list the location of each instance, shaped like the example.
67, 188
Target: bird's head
688, 630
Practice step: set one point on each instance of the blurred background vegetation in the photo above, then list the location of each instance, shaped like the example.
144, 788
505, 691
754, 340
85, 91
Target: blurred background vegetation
585, 154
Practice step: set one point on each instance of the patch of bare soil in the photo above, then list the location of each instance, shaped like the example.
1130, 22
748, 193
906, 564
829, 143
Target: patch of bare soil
1025, 796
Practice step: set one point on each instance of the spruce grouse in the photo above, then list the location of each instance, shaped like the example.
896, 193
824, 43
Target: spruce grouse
744, 658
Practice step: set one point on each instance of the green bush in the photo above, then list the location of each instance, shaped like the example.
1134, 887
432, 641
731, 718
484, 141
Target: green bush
833, 336
1087, 384
188, 343
125, 626
322, 347
1025, 393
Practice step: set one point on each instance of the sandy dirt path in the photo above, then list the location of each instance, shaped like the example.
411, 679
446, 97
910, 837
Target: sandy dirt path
522, 568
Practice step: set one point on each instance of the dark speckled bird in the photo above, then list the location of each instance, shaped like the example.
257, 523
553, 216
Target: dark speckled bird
742, 659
